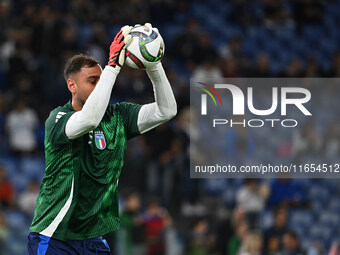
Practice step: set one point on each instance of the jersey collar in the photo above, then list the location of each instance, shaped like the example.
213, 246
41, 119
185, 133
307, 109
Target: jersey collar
69, 105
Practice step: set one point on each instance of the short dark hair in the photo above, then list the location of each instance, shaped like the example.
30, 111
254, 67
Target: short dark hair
292, 234
279, 209
77, 62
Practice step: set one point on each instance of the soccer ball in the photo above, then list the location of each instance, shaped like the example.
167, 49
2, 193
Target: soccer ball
146, 48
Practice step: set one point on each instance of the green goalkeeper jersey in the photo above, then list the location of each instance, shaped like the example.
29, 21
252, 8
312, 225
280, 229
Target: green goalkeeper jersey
78, 196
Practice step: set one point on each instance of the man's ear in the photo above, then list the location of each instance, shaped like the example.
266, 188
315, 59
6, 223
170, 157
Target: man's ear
72, 86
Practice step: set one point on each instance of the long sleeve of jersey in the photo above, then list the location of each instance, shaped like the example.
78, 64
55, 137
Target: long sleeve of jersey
89, 117
164, 108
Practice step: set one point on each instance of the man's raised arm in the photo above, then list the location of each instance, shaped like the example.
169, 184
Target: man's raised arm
165, 107
92, 112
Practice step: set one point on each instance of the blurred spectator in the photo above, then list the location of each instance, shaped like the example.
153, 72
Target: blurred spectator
181, 89
162, 11
133, 85
201, 241
4, 231
207, 71
47, 34
291, 244
6, 190
306, 141
5, 8
28, 198
308, 12
232, 49
163, 157
273, 245
185, 42
335, 69
251, 198
278, 229
98, 42
313, 69
173, 161
287, 193
134, 242
317, 248
262, 67
231, 68
68, 41
239, 231
275, 13
183, 129
239, 142
137, 11
83, 10
293, 69
331, 141
241, 14
2, 124
20, 58
224, 232
240, 235
156, 220
21, 124
204, 50
252, 245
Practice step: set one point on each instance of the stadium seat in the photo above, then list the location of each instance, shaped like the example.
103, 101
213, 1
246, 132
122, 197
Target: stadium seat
300, 229
20, 182
304, 182
215, 186
266, 219
320, 233
85, 33
318, 193
329, 218
250, 48
10, 165
313, 33
33, 168
171, 32
228, 197
284, 32
301, 218
198, 10
15, 219
17, 247
306, 242
334, 205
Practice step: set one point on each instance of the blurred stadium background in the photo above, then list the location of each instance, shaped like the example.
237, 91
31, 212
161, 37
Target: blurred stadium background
163, 210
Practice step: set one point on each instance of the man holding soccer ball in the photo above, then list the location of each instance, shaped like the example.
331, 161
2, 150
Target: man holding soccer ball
85, 141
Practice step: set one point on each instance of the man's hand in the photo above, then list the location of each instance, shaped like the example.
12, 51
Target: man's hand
150, 26
118, 46
156, 29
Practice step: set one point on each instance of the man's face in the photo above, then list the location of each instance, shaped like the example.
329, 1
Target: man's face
289, 242
281, 219
84, 82
133, 203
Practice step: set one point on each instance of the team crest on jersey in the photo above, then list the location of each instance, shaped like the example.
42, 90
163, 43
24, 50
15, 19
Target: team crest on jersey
100, 140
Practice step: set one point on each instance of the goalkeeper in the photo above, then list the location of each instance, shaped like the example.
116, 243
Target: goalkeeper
85, 142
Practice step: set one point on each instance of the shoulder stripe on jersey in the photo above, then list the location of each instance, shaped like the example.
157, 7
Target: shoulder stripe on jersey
54, 224
59, 115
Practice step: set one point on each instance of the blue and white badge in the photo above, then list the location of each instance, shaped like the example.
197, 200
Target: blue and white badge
100, 141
